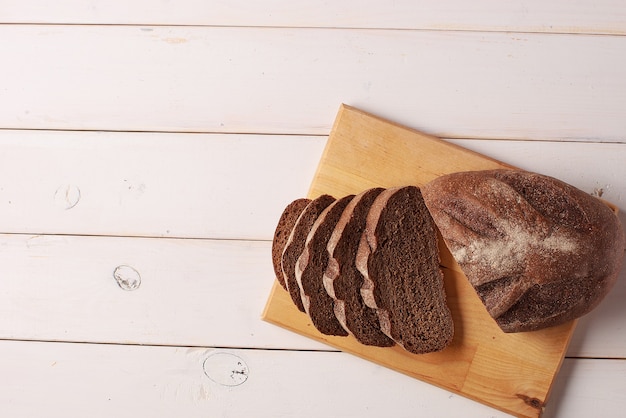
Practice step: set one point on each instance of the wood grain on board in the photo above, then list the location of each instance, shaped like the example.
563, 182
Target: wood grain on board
511, 372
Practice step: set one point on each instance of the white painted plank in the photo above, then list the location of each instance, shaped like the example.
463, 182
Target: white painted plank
111, 380
281, 80
145, 184
214, 185
123, 381
589, 388
192, 293
600, 16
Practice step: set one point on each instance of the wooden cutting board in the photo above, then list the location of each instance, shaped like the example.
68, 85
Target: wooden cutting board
510, 372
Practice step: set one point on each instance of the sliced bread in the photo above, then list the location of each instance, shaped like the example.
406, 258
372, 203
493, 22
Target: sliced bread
295, 245
343, 281
399, 260
283, 229
310, 269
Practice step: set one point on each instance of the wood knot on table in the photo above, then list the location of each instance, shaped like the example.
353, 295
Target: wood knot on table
533, 402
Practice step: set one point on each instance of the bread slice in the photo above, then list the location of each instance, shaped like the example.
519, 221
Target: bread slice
295, 245
343, 281
310, 269
283, 229
399, 259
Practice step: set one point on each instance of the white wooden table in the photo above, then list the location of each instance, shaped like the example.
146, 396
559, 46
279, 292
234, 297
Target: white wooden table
162, 139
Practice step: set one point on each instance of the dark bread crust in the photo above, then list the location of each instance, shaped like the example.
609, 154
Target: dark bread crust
286, 222
310, 269
538, 252
343, 281
295, 244
399, 259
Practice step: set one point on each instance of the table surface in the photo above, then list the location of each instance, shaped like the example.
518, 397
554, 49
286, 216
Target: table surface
147, 149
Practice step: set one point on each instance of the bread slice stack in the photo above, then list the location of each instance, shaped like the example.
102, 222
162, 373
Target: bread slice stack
367, 266
537, 251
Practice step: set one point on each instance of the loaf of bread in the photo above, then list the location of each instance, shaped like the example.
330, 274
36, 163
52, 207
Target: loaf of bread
538, 251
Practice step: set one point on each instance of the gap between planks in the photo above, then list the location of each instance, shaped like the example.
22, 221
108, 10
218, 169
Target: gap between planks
122, 344
182, 132
346, 28
168, 237
299, 350
564, 140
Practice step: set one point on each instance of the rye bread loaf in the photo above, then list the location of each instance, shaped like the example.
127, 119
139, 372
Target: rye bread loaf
343, 281
310, 269
295, 244
538, 251
399, 259
283, 229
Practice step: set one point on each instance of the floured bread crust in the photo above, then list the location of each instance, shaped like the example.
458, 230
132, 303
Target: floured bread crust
538, 251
